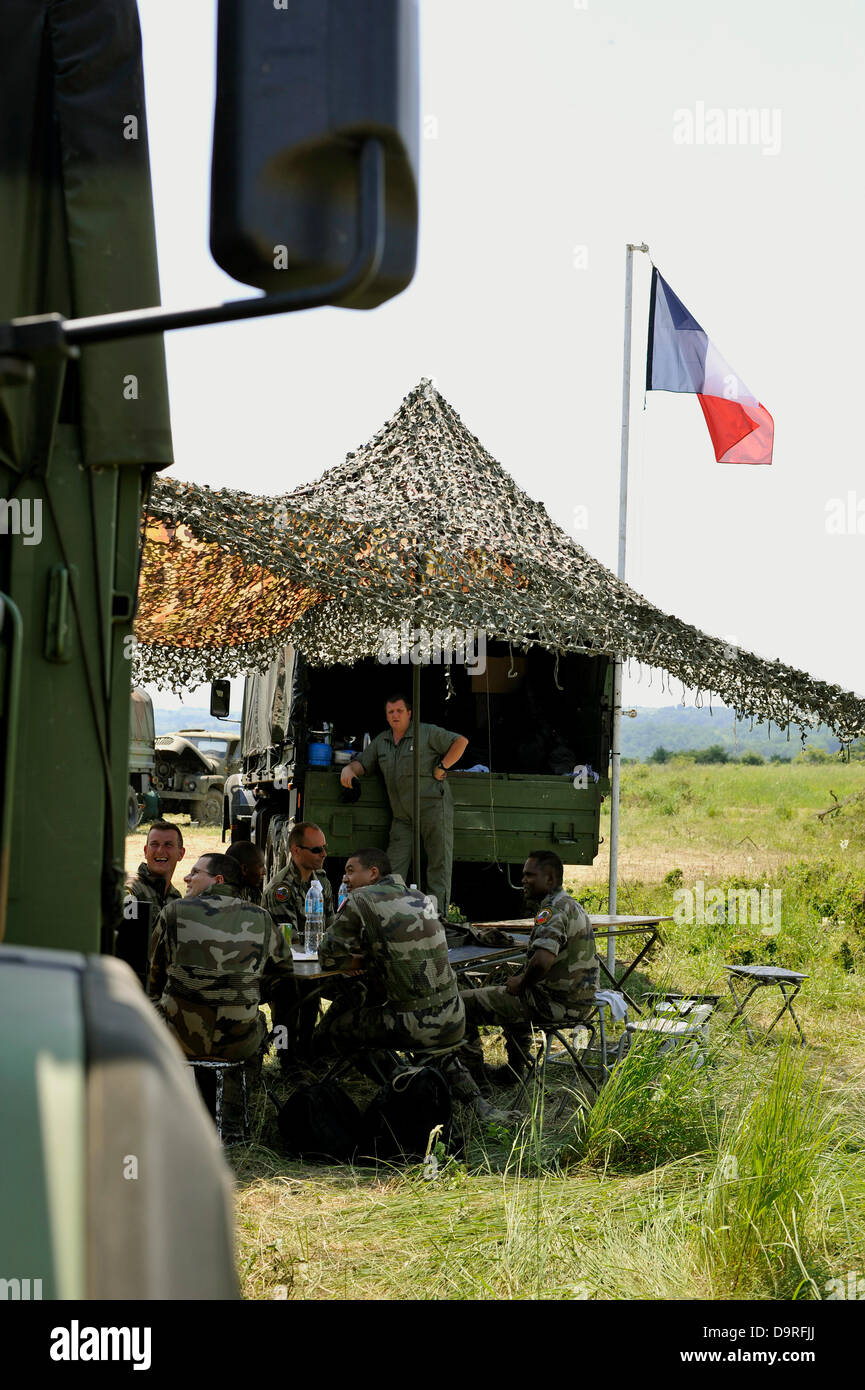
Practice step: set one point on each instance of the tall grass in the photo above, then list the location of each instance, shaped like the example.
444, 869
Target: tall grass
774, 1176
656, 1107
742, 1177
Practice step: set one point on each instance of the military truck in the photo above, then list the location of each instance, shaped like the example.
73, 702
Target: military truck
533, 776
142, 799
114, 1185
190, 772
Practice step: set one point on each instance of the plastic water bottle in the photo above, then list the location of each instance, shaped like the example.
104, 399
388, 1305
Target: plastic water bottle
344, 891
314, 912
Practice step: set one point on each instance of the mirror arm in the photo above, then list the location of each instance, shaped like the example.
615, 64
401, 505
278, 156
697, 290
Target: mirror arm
49, 335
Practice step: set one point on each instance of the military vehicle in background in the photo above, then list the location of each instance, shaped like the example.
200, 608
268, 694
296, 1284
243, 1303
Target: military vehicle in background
190, 773
114, 1185
142, 800
533, 776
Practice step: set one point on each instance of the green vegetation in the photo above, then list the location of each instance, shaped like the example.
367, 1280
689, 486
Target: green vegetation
681, 729
735, 1174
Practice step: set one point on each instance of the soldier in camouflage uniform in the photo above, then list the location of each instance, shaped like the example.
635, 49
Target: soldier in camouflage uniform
147, 892
294, 1003
559, 980
211, 953
251, 861
392, 754
413, 1000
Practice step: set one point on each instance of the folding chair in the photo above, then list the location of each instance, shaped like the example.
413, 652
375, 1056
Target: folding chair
218, 1066
681, 1020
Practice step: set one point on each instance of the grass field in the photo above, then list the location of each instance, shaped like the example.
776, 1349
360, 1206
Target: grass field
741, 1178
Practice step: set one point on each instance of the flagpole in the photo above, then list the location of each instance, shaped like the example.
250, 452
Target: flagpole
616, 741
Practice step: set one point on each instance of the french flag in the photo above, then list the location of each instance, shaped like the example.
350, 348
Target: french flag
681, 358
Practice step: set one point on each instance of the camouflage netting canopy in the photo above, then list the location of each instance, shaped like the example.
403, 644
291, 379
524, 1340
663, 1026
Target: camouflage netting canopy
420, 527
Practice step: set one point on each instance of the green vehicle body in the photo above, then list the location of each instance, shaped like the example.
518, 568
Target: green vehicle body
114, 1182
500, 816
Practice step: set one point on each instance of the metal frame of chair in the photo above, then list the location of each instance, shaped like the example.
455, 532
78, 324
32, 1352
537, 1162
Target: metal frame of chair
692, 1027
551, 1033
219, 1066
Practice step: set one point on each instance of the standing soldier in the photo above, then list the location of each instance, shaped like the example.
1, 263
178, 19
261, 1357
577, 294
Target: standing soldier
211, 954
557, 985
294, 1003
392, 753
147, 892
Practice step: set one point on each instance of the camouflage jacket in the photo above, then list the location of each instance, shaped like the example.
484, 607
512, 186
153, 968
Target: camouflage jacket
563, 927
210, 957
406, 957
148, 887
285, 900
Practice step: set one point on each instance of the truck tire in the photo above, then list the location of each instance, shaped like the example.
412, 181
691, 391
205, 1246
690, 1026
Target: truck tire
133, 810
209, 810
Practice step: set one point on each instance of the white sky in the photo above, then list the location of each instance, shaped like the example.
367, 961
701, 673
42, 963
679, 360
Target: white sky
555, 124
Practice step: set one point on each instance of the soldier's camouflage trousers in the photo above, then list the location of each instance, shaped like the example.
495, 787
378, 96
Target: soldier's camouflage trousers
515, 1015
370, 1028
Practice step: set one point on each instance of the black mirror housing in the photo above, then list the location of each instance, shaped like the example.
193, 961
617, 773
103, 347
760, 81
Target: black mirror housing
220, 699
300, 88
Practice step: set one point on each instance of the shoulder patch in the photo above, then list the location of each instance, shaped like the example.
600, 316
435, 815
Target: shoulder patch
281, 894
543, 917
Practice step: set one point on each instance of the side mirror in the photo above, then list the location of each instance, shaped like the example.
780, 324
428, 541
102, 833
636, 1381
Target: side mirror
220, 699
300, 86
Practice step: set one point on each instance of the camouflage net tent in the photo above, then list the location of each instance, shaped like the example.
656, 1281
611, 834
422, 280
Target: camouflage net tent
421, 526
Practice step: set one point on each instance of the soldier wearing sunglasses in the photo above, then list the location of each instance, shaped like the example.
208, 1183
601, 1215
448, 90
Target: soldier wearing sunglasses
294, 1003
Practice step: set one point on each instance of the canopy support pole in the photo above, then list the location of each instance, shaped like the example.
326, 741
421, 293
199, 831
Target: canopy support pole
616, 740
415, 827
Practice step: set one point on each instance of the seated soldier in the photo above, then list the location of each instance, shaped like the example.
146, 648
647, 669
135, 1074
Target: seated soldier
211, 954
557, 985
251, 861
294, 1004
412, 998
147, 892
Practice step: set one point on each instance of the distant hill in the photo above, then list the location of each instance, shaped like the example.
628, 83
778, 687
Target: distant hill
168, 721
681, 730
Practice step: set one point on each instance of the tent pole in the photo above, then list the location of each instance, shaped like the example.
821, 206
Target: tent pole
616, 740
415, 829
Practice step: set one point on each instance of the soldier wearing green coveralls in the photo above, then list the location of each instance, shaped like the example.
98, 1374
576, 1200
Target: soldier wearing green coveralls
392, 754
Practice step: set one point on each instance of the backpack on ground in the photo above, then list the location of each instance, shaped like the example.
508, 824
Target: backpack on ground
320, 1122
398, 1120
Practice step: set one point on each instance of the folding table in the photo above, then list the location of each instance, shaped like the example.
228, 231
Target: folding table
603, 924
789, 982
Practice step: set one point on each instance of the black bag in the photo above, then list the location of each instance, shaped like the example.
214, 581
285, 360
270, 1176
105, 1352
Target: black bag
398, 1120
321, 1122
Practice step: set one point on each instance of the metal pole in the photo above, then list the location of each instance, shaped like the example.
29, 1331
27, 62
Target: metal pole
616, 741
415, 827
